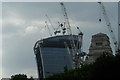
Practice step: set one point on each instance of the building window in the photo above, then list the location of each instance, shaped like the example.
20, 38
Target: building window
99, 44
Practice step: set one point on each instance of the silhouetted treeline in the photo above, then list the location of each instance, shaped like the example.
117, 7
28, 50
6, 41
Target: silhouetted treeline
105, 67
20, 77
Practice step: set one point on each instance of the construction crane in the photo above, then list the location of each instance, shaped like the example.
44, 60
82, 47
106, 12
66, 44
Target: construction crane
50, 22
62, 26
69, 31
46, 25
109, 26
76, 52
81, 54
55, 30
66, 19
79, 43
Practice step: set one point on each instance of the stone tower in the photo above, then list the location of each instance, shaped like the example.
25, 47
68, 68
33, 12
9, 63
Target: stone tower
99, 44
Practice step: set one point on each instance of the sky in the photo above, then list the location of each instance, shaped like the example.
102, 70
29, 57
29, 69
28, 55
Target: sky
23, 23
0, 39
119, 23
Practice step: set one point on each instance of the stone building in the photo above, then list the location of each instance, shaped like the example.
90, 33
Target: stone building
99, 44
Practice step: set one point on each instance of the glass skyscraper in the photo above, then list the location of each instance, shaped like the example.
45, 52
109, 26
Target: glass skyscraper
52, 55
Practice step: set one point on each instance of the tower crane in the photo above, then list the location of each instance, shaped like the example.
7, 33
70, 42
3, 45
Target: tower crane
79, 43
69, 31
46, 25
50, 22
55, 30
109, 26
76, 52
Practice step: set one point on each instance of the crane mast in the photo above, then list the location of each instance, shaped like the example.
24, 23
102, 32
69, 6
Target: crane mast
48, 28
109, 26
79, 43
69, 31
76, 49
50, 22
66, 19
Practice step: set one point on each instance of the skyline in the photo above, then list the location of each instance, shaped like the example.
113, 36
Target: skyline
22, 23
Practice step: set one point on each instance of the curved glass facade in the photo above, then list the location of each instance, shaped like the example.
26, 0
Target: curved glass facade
52, 55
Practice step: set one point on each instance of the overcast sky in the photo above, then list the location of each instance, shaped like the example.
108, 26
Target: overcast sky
24, 24
0, 40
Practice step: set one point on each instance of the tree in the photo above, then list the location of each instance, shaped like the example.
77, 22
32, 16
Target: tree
31, 78
19, 77
105, 67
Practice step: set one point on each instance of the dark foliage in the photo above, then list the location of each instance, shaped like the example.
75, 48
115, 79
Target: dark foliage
19, 77
105, 67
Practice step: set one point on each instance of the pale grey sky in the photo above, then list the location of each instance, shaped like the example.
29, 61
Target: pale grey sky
0, 39
24, 24
59, 0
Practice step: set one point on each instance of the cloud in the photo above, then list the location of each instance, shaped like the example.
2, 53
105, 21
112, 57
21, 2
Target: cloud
38, 22
14, 21
36, 26
11, 17
24, 24
31, 29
